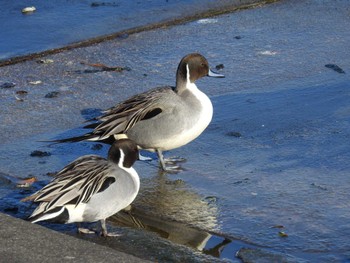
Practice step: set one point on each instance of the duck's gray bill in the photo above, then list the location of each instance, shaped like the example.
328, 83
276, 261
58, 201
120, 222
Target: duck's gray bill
214, 75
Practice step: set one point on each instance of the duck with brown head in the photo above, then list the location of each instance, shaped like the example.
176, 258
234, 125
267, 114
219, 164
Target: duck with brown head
163, 118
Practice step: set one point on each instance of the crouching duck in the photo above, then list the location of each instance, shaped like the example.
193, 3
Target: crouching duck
90, 189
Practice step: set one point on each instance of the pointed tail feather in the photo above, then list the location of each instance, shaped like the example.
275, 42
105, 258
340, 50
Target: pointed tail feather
85, 137
59, 215
29, 198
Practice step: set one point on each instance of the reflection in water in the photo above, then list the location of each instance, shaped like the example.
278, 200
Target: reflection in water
167, 202
217, 249
172, 199
174, 231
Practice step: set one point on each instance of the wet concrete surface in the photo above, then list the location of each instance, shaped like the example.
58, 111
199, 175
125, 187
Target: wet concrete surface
55, 26
271, 171
24, 242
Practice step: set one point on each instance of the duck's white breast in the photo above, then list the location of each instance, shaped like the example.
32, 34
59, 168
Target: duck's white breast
196, 122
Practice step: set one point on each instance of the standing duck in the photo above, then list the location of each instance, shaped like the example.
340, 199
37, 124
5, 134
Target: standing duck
162, 118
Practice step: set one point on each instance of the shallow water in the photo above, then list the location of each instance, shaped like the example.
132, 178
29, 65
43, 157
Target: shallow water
55, 24
288, 168
274, 159
50, 26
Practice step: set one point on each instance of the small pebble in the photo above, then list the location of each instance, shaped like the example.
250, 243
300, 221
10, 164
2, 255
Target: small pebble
267, 53
20, 95
277, 226
44, 61
29, 9
7, 85
38, 153
26, 182
234, 134
36, 82
335, 68
126, 68
211, 199
245, 180
282, 234
207, 21
220, 66
22, 92
123, 36
52, 94
97, 4
319, 187
23, 185
97, 147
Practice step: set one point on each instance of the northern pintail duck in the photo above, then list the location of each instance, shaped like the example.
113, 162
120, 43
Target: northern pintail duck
163, 118
90, 188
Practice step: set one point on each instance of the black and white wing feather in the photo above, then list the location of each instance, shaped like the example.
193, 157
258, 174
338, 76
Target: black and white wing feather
122, 117
75, 184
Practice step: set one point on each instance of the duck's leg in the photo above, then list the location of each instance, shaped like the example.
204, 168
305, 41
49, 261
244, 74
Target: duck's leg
161, 159
104, 232
82, 230
174, 159
144, 158
170, 169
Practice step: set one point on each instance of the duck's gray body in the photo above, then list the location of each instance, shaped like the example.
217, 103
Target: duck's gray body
183, 118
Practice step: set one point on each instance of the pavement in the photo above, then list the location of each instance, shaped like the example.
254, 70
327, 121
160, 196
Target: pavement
21, 241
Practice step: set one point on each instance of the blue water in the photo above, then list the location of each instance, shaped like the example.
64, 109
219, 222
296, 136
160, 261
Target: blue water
57, 23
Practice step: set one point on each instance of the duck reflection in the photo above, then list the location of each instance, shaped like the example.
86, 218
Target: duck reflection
175, 212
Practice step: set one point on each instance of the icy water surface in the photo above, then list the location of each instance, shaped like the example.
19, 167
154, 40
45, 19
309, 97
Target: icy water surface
270, 172
55, 24
58, 23
284, 161
252, 175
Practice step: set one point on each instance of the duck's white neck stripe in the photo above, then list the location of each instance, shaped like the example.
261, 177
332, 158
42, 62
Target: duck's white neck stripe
121, 159
188, 74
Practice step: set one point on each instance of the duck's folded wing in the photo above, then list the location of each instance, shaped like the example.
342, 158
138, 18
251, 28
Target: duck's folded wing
80, 165
125, 115
75, 184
